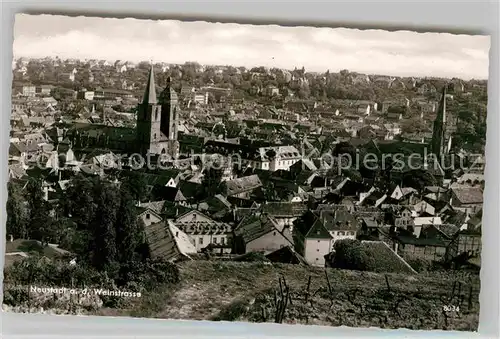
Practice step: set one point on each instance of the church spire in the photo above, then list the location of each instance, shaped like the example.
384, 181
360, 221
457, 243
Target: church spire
442, 107
150, 92
438, 133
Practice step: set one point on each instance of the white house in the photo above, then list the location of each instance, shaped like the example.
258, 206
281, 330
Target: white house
328, 227
274, 158
203, 230
420, 222
148, 216
403, 218
401, 193
259, 232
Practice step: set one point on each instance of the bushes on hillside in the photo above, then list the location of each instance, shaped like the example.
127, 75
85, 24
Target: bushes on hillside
367, 256
350, 254
39, 271
420, 264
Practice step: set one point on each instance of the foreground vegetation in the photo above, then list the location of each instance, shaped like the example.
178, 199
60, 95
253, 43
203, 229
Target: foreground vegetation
256, 292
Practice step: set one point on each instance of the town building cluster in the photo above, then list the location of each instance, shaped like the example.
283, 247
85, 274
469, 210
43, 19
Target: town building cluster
275, 191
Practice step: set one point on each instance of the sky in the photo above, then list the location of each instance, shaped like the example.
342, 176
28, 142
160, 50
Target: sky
399, 53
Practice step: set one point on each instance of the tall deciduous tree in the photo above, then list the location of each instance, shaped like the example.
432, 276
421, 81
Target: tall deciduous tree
16, 212
419, 179
135, 184
79, 202
40, 222
128, 233
104, 252
211, 181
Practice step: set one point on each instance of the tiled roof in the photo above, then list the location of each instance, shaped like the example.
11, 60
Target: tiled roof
243, 184
318, 231
448, 229
289, 209
156, 206
468, 195
255, 226
338, 220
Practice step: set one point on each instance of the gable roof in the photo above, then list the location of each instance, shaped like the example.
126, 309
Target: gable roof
338, 220
196, 214
286, 255
318, 231
284, 209
243, 184
255, 226
141, 210
468, 195
170, 193
156, 206
162, 243
182, 240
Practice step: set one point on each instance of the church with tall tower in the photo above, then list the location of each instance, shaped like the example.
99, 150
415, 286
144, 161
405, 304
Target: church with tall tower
157, 118
155, 132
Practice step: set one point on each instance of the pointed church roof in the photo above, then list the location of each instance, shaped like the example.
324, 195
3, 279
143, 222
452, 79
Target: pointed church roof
168, 93
150, 93
441, 115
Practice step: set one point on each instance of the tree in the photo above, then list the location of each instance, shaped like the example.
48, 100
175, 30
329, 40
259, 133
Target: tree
40, 222
103, 247
419, 179
135, 184
211, 182
16, 212
270, 193
344, 148
127, 228
466, 116
350, 254
79, 203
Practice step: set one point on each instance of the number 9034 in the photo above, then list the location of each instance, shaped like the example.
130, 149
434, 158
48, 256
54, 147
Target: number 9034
451, 308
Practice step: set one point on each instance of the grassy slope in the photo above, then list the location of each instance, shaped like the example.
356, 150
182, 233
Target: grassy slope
240, 291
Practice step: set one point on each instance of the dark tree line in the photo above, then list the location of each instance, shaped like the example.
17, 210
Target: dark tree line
107, 230
95, 219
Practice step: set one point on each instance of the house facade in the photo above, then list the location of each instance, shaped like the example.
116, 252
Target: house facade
203, 230
259, 232
328, 227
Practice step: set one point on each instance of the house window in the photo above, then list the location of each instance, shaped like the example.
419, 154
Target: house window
274, 233
200, 241
148, 216
341, 233
154, 136
317, 250
319, 240
222, 241
176, 234
215, 240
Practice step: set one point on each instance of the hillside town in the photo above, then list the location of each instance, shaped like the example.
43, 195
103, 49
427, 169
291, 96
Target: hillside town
222, 163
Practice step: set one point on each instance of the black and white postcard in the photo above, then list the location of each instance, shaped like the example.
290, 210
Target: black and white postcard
235, 172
